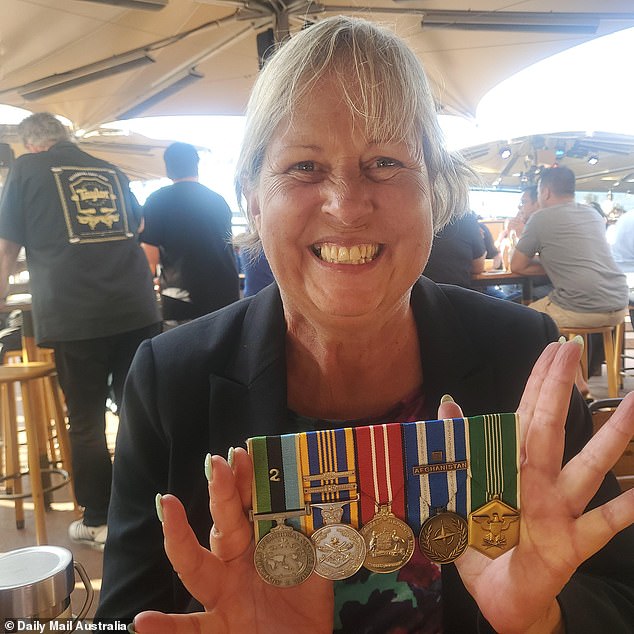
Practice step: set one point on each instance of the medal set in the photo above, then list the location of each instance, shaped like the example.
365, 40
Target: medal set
332, 501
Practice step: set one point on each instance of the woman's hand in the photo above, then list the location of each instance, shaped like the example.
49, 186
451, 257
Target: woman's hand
224, 579
517, 591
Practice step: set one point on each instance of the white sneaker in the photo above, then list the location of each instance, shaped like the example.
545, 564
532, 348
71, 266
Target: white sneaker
94, 536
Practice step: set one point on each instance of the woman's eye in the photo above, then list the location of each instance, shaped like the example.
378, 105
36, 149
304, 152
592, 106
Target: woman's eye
304, 166
384, 161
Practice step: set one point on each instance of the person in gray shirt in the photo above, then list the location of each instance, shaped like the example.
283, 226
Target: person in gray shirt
589, 289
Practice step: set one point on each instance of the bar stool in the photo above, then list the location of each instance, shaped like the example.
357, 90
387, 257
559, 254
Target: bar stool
612, 338
40, 392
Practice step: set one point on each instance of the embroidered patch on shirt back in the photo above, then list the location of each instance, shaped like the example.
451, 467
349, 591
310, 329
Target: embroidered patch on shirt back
94, 205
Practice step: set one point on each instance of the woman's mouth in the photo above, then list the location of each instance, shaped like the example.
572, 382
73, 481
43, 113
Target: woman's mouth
338, 254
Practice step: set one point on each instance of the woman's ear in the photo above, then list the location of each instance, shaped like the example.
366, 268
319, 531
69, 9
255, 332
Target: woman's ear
253, 208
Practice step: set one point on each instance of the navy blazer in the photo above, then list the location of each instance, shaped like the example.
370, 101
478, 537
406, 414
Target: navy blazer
210, 384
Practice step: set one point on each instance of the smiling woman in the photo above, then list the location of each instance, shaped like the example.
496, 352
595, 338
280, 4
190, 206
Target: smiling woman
345, 180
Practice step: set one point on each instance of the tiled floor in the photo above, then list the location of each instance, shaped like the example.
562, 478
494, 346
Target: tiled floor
62, 513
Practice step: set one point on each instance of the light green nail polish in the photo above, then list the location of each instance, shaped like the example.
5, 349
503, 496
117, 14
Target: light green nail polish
208, 467
131, 629
159, 506
447, 398
579, 339
230, 456
562, 339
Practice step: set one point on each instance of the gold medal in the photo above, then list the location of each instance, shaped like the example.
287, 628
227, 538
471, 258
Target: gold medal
389, 542
494, 528
494, 524
340, 550
443, 537
284, 557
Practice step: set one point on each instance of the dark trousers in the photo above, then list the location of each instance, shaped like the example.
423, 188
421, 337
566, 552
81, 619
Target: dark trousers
85, 369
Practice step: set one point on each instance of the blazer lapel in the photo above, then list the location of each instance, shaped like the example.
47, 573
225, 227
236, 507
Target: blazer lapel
456, 368
253, 386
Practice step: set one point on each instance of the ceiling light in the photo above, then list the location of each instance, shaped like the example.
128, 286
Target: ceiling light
527, 21
147, 5
166, 89
84, 74
593, 160
505, 152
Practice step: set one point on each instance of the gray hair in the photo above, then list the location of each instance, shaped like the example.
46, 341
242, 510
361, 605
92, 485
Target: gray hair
42, 128
385, 87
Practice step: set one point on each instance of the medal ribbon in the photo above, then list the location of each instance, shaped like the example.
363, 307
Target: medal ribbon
494, 459
277, 480
435, 467
328, 453
379, 451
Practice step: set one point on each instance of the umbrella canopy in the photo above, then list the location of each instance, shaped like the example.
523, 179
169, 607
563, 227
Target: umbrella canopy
601, 161
95, 61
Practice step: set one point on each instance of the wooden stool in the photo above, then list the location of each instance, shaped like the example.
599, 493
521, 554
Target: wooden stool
40, 400
612, 338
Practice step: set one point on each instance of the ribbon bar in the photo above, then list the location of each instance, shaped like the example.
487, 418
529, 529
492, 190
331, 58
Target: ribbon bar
423, 469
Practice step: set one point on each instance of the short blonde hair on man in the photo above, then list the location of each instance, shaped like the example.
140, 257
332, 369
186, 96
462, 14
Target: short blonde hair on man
386, 89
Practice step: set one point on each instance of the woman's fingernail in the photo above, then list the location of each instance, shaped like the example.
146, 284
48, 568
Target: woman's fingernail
159, 506
208, 467
230, 456
578, 339
562, 339
447, 398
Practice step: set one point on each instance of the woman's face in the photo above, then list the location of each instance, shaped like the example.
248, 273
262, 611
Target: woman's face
345, 222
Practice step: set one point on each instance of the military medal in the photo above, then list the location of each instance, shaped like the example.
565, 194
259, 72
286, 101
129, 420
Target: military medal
389, 540
283, 555
436, 467
340, 549
494, 528
443, 537
494, 525
330, 487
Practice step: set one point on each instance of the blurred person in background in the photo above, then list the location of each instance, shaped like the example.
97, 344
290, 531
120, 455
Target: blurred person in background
257, 272
458, 251
92, 294
187, 230
589, 289
621, 239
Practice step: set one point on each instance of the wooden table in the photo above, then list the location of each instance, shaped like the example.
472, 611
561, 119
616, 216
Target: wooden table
504, 278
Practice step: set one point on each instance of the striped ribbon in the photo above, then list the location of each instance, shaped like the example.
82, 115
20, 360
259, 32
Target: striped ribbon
380, 469
328, 473
277, 483
435, 468
494, 459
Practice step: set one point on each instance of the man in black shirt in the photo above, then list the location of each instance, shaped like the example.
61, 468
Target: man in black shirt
457, 252
92, 295
187, 229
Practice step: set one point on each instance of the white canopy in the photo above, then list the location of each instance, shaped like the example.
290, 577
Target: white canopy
97, 61
205, 53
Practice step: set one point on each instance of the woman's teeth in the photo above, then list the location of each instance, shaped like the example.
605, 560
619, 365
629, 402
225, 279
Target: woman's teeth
357, 254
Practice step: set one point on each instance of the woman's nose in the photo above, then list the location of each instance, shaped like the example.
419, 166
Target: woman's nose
347, 199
